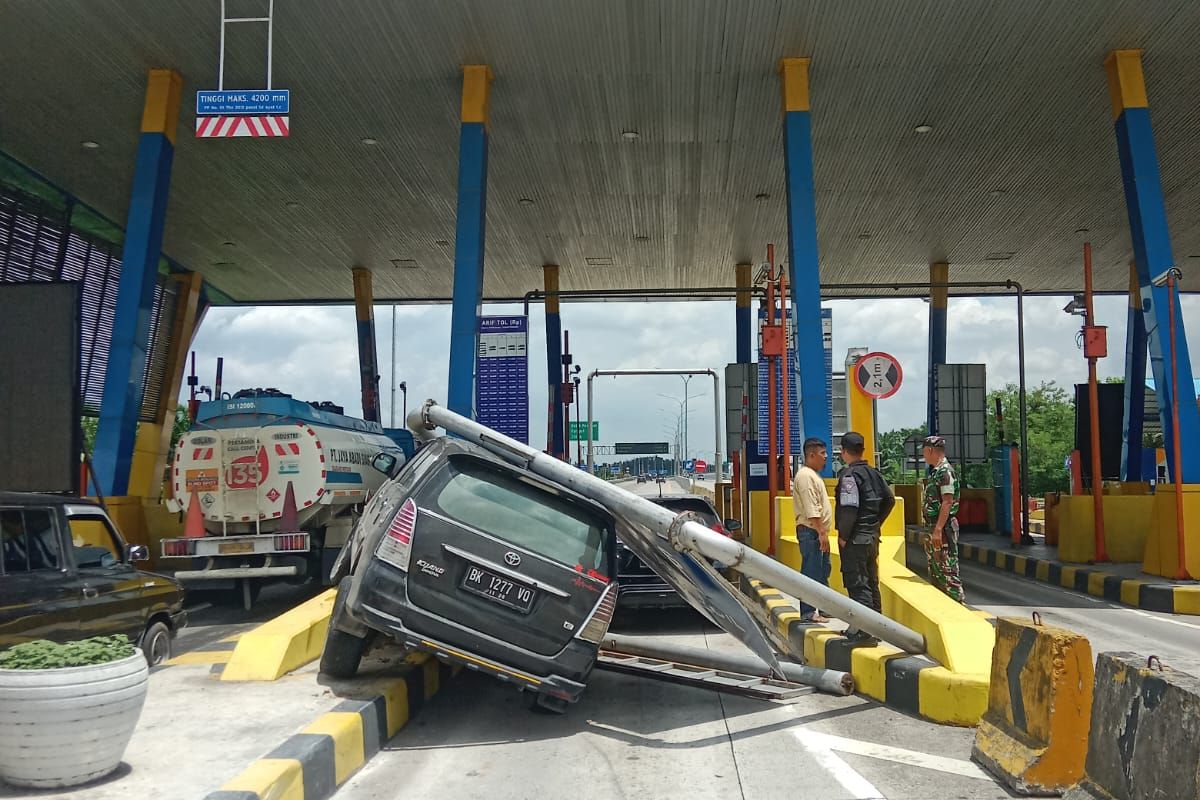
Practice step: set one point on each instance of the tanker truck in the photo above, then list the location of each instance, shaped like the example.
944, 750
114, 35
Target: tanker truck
279, 484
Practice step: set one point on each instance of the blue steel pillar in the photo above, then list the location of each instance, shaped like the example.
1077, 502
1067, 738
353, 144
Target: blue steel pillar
555, 442
123, 382
368, 358
938, 297
1135, 383
469, 239
803, 266
1152, 254
745, 331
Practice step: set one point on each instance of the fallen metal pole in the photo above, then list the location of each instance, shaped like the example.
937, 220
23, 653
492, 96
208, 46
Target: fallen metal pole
829, 681
683, 534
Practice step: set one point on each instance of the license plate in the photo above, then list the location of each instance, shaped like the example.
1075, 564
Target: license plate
235, 548
499, 589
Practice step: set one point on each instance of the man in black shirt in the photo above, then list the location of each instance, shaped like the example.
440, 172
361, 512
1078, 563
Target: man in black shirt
864, 501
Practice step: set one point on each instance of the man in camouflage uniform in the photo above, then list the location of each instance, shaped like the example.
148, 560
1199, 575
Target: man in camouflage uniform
941, 508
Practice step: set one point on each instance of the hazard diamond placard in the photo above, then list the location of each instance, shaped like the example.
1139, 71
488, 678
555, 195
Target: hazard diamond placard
222, 127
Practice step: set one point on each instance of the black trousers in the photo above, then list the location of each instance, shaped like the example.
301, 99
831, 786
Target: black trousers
860, 573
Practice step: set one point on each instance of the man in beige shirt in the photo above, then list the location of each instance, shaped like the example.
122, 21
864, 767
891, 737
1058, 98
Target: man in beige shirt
814, 520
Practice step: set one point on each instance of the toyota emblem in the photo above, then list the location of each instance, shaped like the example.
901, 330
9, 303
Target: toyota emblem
512, 559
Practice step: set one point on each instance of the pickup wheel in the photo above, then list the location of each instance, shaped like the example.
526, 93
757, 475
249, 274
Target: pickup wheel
343, 651
156, 643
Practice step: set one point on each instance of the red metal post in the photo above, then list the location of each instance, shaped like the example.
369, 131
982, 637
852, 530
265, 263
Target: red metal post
1093, 406
783, 386
772, 413
1181, 573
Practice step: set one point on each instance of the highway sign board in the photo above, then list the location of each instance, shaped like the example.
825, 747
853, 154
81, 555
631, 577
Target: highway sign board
640, 448
578, 431
502, 382
244, 102
878, 375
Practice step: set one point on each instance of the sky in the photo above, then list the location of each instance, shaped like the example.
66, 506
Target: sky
312, 353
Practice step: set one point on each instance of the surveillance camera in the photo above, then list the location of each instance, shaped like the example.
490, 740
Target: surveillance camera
1167, 274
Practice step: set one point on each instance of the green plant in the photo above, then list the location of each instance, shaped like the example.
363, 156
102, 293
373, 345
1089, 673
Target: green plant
43, 654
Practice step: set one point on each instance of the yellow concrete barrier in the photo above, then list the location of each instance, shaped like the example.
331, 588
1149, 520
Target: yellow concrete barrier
1125, 527
287, 642
1034, 734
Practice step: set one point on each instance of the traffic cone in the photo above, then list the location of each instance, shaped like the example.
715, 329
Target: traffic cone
193, 528
288, 522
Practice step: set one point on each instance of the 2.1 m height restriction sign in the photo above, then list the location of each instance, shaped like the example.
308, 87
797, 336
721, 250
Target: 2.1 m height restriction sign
878, 375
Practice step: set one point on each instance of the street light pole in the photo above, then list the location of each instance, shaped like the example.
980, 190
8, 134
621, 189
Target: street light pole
685, 378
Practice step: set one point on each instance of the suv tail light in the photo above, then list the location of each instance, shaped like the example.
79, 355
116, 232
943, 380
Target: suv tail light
596, 626
396, 545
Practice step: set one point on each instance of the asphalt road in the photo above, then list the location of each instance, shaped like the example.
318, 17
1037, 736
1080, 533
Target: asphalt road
632, 737
213, 617
1108, 626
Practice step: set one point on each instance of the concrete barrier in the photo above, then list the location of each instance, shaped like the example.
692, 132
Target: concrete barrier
1034, 734
1144, 741
283, 644
312, 764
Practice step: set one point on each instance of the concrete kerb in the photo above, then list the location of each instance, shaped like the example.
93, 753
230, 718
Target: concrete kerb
1034, 736
1144, 739
282, 644
913, 684
313, 763
1147, 596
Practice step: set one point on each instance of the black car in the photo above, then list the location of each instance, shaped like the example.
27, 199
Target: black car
640, 586
67, 574
481, 563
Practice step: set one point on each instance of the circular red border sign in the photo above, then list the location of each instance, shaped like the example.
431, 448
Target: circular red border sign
894, 362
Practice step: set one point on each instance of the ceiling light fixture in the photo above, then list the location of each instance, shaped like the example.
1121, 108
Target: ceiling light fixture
1082, 231
923, 129
89, 145
762, 196
291, 204
404, 263
228, 244
527, 201
641, 237
630, 135
995, 192
442, 243
368, 141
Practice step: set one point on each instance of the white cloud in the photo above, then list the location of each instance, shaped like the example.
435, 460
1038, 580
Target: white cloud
312, 352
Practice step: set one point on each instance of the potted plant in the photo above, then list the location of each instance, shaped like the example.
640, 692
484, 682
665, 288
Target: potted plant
67, 711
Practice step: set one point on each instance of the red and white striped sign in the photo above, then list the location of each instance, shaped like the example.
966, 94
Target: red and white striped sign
225, 127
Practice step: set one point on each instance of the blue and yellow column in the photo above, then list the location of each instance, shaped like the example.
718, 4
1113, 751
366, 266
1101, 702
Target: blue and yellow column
1152, 254
1135, 383
469, 239
124, 379
153, 442
938, 301
742, 320
368, 357
554, 414
804, 272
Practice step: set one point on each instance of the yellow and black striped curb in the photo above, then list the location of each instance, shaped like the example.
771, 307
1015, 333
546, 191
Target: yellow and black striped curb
1168, 597
912, 684
313, 763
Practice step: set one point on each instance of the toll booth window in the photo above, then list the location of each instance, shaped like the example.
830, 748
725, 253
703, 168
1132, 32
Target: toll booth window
94, 543
28, 540
502, 505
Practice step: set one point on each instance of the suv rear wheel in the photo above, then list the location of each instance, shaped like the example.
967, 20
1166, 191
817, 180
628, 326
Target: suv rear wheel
343, 651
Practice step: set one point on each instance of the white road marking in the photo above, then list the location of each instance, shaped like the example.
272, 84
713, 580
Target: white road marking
859, 787
1157, 618
885, 752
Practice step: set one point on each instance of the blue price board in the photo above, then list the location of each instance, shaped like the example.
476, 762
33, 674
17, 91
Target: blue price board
502, 376
795, 427
244, 102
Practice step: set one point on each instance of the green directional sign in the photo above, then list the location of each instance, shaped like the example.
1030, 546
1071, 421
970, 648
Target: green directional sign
640, 448
578, 432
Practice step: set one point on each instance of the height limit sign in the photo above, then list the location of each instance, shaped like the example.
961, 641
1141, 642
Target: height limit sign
878, 375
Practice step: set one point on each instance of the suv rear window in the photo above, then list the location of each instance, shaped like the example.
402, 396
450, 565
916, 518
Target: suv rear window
507, 507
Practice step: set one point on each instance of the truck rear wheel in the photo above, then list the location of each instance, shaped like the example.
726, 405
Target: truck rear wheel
343, 651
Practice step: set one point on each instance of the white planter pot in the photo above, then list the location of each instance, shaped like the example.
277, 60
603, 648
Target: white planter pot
64, 727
